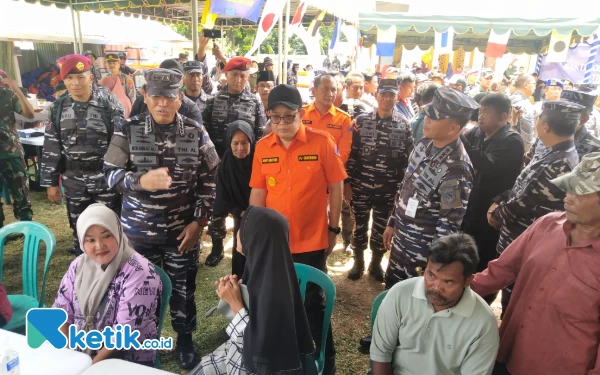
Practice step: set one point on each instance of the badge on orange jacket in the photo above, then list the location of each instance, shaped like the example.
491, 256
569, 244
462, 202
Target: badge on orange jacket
271, 181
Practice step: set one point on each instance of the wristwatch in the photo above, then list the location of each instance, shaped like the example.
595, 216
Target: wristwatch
336, 230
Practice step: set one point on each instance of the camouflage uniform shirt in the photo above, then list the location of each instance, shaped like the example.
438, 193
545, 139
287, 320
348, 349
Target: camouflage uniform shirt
84, 137
380, 151
10, 144
139, 145
224, 108
533, 195
441, 183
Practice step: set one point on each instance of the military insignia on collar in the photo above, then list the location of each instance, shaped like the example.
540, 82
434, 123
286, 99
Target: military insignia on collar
80, 65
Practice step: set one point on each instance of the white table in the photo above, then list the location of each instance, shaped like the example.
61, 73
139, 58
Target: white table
33, 141
46, 359
118, 367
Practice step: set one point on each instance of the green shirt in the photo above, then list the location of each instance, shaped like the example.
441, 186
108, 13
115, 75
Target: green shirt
10, 144
417, 340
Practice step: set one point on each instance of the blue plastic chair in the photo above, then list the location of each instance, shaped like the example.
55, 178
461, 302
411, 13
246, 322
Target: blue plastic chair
34, 233
375, 307
307, 274
165, 297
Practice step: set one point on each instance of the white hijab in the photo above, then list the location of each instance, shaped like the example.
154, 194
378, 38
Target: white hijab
92, 279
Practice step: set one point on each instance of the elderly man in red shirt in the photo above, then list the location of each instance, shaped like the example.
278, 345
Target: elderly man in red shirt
552, 324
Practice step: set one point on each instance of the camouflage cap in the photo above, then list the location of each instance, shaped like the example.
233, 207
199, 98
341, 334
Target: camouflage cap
584, 179
388, 85
163, 82
193, 66
585, 99
562, 110
448, 102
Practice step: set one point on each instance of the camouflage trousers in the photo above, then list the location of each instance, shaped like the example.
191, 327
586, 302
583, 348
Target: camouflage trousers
405, 263
217, 229
362, 204
182, 270
348, 223
14, 173
77, 202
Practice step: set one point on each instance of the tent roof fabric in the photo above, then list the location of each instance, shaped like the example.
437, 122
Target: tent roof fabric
478, 25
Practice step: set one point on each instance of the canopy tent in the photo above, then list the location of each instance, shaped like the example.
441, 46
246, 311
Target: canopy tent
528, 35
54, 25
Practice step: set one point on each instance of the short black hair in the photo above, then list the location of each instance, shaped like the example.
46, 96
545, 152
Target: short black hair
368, 76
221, 65
324, 75
561, 127
406, 78
456, 247
499, 102
477, 98
426, 91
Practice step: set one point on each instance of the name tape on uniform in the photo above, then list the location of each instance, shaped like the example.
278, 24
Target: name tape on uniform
308, 157
270, 160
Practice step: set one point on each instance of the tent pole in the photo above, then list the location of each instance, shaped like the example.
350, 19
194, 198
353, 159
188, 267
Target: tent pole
80, 33
195, 27
286, 42
280, 49
75, 44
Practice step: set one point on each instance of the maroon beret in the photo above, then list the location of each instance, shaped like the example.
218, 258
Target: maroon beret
73, 64
238, 63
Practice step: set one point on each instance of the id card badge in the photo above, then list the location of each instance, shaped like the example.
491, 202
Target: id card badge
411, 207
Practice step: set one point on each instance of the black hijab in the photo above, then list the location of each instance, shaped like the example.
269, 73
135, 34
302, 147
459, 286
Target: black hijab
277, 339
233, 175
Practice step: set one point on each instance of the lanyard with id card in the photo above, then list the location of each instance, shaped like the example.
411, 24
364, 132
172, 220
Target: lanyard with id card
412, 206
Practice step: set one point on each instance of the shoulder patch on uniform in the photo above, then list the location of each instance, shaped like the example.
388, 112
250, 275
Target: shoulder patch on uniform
271, 160
450, 194
308, 157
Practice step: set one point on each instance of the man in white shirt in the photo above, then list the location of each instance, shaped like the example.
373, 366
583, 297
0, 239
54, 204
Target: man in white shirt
435, 324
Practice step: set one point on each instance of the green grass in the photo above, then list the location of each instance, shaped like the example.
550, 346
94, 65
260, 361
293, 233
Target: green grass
351, 312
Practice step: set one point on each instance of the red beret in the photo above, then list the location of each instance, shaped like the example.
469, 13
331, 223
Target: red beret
73, 64
238, 63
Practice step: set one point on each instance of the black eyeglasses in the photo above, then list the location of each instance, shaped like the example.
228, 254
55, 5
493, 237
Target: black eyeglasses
289, 119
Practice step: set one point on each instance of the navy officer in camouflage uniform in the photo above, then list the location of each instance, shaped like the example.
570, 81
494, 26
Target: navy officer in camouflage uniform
433, 196
585, 141
378, 159
233, 102
165, 164
77, 135
12, 164
192, 80
533, 194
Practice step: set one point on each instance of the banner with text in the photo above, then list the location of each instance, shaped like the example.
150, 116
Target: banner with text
247, 9
574, 68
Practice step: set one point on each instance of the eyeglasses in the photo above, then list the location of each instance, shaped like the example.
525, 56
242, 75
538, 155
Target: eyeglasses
289, 119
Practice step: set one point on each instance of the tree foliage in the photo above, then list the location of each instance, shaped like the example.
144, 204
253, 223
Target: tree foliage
239, 41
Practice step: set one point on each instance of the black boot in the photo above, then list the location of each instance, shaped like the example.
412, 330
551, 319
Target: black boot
187, 358
214, 258
375, 269
359, 265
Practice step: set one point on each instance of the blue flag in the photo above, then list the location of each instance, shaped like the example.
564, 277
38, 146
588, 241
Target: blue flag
336, 33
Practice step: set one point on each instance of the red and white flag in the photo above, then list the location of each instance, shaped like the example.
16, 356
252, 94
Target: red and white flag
297, 20
270, 16
497, 44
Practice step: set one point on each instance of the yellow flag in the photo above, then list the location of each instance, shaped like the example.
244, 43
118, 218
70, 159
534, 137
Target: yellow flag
208, 18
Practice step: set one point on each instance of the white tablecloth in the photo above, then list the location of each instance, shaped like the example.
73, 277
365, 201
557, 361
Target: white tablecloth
118, 367
46, 359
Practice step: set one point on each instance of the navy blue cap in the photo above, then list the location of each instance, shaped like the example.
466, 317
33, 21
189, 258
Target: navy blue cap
554, 82
193, 66
585, 99
448, 102
163, 82
562, 110
388, 85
